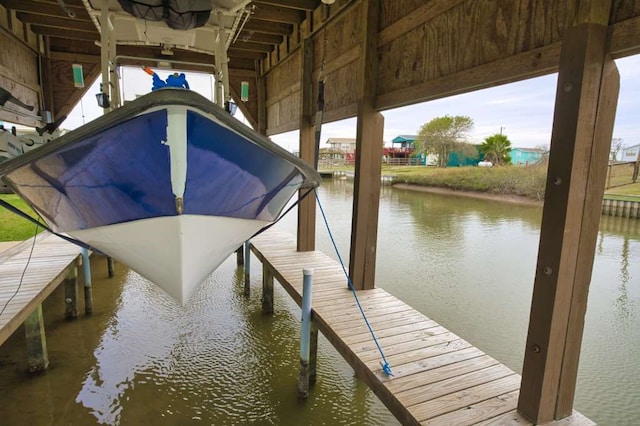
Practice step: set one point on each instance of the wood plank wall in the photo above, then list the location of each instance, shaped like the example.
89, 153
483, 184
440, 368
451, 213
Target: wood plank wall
434, 49
18, 66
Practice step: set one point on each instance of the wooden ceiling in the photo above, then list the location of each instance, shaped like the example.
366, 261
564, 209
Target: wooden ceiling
72, 31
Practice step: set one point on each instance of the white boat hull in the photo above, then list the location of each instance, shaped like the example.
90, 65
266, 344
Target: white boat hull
177, 253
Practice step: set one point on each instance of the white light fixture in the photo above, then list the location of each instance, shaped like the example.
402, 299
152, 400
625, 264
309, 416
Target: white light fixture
328, 1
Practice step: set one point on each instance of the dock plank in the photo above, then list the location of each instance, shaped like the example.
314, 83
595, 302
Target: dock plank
21, 291
439, 378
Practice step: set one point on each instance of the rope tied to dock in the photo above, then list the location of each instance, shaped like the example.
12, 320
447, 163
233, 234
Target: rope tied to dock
386, 368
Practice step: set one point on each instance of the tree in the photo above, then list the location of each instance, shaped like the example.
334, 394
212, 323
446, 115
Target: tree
616, 146
496, 149
444, 135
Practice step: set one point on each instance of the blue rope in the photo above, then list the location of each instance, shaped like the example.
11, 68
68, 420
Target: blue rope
385, 365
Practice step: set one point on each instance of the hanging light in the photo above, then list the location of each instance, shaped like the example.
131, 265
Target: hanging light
328, 1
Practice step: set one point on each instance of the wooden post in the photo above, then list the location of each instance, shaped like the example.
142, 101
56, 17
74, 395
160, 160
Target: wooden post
369, 141
307, 208
46, 71
305, 334
586, 99
71, 294
267, 289
37, 357
110, 267
86, 274
247, 268
240, 256
262, 105
593, 194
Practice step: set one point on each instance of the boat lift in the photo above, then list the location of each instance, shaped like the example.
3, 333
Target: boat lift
117, 27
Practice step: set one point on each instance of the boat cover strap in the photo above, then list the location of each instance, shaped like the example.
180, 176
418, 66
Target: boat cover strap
45, 227
178, 14
285, 212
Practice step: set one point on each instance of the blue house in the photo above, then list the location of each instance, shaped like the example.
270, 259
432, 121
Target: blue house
526, 156
404, 141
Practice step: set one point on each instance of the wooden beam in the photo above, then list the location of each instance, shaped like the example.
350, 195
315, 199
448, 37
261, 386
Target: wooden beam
369, 141
74, 46
532, 63
42, 8
65, 34
254, 47
418, 17
75, 57
624, 38
262, 106
277, 14
234, 52
308, 5
569, 225
49, 21
256, 37
46, 72
268, 27
306, 240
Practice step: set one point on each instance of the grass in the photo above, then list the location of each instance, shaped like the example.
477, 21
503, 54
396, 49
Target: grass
526, 181
631, 190
523, 181
12, 226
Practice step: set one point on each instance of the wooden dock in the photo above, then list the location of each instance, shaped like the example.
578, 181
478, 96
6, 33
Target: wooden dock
439, 378
52, 261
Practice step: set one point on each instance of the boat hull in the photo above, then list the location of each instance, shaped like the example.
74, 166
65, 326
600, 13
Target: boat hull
137, 183
174, 252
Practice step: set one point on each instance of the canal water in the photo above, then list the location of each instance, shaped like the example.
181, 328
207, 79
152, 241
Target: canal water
466, 263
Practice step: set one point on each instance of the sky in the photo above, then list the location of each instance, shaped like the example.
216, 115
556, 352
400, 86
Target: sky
523, 111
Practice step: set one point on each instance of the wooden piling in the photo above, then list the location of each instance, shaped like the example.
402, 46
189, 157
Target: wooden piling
71, 294
110, 267
240, 256
267, 290
37, 356
247, 269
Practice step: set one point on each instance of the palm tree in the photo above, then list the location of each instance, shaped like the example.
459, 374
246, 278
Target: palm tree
496, 149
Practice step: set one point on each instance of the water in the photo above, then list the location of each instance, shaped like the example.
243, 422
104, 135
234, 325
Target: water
468, 264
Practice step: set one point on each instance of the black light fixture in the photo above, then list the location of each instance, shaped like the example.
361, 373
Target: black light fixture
231, 107
103, 98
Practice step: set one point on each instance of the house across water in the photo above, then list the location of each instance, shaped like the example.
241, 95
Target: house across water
526, 156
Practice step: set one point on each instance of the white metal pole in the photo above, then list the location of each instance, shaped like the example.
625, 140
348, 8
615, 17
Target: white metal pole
305, 333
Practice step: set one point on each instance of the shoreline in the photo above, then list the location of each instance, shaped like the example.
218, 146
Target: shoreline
514, 199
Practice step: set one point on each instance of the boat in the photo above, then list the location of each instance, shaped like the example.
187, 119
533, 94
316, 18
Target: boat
169, 184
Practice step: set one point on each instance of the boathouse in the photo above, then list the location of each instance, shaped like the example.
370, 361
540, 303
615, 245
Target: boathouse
374, 55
